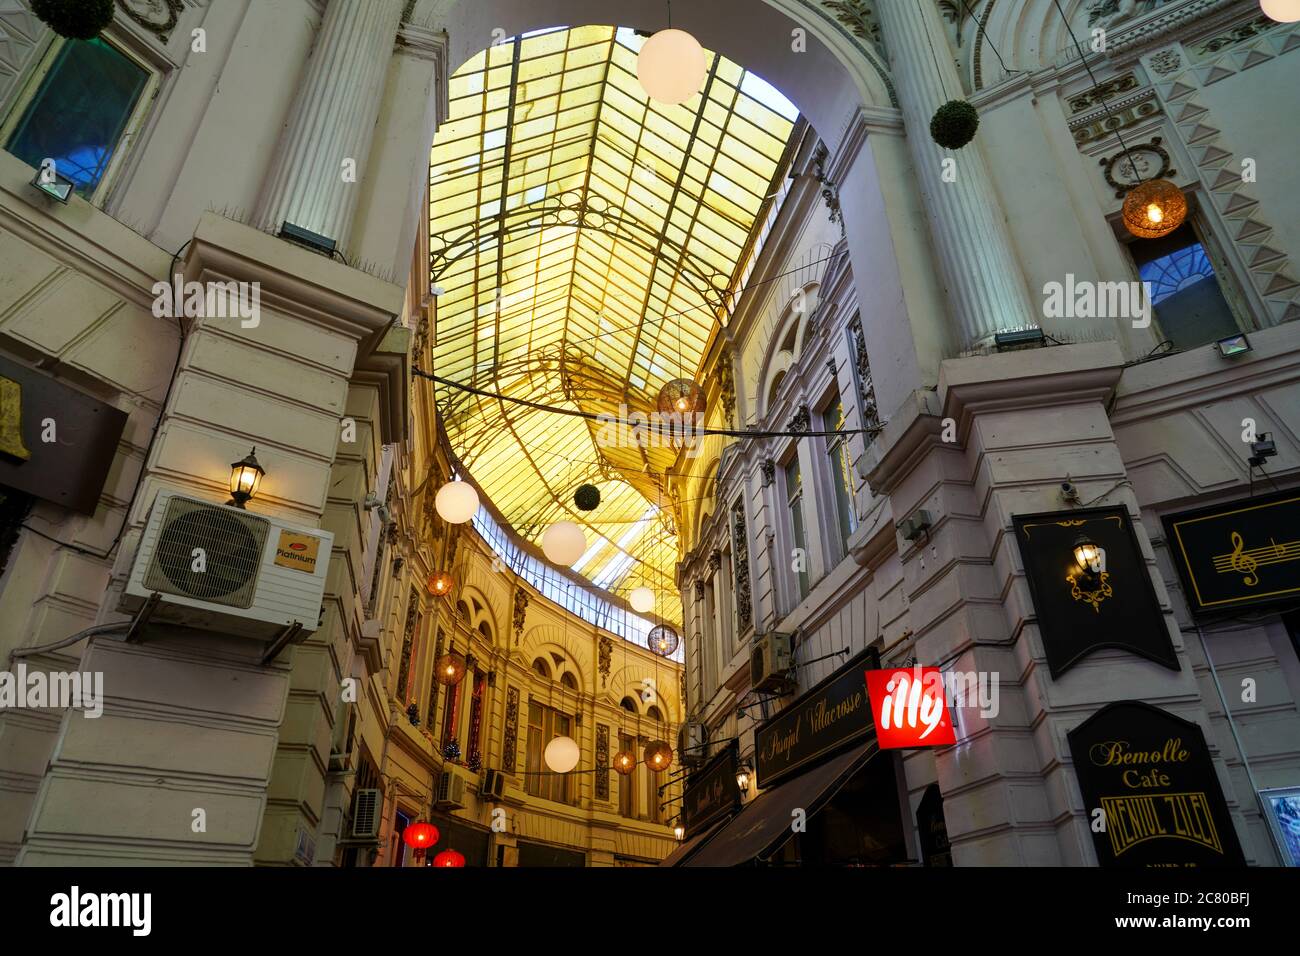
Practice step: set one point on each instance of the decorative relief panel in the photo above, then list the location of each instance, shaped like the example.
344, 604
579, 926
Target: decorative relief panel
510, 740
159, 17
740, 567
602, 761
1143, 162
605, 656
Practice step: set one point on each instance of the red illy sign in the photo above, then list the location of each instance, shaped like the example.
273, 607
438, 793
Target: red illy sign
909, 707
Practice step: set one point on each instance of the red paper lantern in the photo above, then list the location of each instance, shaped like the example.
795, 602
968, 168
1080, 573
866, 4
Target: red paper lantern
420, 836
449, 858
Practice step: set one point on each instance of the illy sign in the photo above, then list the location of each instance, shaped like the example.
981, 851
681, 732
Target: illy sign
909, 707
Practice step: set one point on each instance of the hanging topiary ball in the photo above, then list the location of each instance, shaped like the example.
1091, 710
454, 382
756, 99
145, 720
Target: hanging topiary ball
954, 124
587, 497
75, 19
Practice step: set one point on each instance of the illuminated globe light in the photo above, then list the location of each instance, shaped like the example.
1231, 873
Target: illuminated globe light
671, 67
420, 836
441, 583
561, 754
681, 397
456, 502
663, 640
658, 755
1154, 209
1283, 11
564, 543
625, 762
642, 600
449, 858
450, 669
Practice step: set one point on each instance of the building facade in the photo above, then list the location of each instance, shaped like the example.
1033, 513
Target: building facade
893, 292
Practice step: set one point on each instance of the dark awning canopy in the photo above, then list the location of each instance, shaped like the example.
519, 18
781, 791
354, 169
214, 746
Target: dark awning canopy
762, 827
679, 856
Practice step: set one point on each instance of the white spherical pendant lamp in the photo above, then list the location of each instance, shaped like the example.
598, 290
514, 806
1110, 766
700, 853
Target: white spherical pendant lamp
456, 502
642, 600
561, 754
564, 543
671, 67
1283, 11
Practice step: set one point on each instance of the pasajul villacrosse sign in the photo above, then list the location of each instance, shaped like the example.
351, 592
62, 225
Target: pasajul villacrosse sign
1151, 776
831, 715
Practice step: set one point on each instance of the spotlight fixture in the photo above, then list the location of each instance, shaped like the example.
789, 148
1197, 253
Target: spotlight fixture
1018, 339
308, 239
1233, 345
1262, 450
55, 185
245, 479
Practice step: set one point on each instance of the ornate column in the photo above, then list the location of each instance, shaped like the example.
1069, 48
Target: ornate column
986, 288
332, 120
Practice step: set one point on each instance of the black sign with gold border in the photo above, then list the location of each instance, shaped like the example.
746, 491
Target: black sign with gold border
829, 717
1151, 775
712, 792
1243, 553
1078, 615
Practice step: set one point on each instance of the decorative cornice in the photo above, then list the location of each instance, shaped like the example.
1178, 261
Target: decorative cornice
1161, 22
425, 44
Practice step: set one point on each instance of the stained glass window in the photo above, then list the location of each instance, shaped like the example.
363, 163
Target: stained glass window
80, 111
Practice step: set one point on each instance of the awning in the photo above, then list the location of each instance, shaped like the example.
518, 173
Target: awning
763, 826
679, 855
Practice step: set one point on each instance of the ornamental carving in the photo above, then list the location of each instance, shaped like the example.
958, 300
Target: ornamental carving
1102, 92
699, 590
862, 376
1140, 163
768, 468
802, 420
521, 611
740, 567
159, 17
1166, 61
408, 642
602, 761
1237, 34
830, 192
715, 560
508, 743
727, 381
604, 658
858, 17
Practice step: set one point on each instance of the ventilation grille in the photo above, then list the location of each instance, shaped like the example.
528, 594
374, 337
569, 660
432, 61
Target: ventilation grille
231, 546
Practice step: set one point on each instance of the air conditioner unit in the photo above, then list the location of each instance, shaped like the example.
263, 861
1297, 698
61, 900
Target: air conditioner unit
770, 663
221, 568
493, 786
365, 814
451, 789
692, 737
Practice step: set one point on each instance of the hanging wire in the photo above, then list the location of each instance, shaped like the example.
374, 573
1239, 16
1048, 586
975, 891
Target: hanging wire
939, 72
980, 34
1095, 85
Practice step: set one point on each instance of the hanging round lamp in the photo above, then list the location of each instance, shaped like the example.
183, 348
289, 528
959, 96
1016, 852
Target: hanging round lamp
449, 858
663, 640
456, 502
1154, 208
681, 396
672, 67
625, 762
642, 600
658, 755
420, 836
450, 668
440, 583
586, 498
1283, 11
561, 754
564, 543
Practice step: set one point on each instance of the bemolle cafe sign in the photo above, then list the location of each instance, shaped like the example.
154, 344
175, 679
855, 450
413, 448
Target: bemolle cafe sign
1150, 790
712, 792
827, 718
1243, 553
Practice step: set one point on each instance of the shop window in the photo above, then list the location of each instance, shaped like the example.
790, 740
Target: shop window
544, 725
841, 471
79, 110
798, 535
1188, 301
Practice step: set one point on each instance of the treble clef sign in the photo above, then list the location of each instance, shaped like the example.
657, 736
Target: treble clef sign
1243, 562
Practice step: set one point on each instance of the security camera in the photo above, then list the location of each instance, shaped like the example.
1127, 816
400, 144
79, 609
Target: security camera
1069, 492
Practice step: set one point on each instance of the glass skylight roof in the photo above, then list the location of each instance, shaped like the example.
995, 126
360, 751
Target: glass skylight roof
588, 241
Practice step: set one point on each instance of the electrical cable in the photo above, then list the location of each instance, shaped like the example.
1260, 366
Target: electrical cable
610, 420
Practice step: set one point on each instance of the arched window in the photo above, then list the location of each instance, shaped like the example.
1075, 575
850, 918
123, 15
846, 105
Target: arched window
627, 704
653, 713
568, 680
462, 609
776, 387
485, 629
539, 665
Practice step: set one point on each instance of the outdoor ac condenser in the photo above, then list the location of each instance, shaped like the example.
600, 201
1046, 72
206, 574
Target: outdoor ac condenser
221, 568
